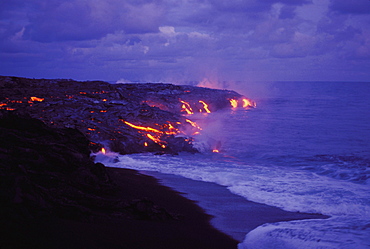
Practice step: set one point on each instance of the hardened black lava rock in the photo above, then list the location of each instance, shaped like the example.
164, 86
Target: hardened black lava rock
100, 109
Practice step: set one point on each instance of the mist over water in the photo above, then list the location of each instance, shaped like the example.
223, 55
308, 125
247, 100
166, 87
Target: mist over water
304, 148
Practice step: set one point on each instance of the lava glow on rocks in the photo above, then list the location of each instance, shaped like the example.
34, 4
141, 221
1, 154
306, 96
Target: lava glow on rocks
243, 102
101, 110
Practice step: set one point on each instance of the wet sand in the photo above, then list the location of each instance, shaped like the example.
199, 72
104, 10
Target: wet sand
232, 214
190, 229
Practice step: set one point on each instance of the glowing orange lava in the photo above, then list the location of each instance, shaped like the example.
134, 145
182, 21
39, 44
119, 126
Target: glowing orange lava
37, 99
193, 124
245, 103
103, 150
171, 130
248, 103
215, 151
149, 129
205, 106
186, 107
234, 103
156, 140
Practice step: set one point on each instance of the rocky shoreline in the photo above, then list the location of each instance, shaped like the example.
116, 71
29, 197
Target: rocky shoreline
54, 196
126, 118
52, 193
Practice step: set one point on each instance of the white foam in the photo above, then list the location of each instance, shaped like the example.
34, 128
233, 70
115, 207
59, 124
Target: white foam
332, 233
292, 190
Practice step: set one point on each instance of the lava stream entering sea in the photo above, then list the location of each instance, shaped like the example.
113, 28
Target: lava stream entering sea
242, 102
160, 134
165, 131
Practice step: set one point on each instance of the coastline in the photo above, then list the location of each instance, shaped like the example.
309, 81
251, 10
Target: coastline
53, 195
190, 228
231, 214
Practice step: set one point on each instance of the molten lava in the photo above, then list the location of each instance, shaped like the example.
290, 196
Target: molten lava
248, 103
156, 140
186, 107
149, 129
158, 134
37, 99
234, 103
171, 129
205, 106
245, 103
193, 124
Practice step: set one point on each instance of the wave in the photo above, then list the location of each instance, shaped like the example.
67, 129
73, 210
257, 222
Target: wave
291, 189
343, 167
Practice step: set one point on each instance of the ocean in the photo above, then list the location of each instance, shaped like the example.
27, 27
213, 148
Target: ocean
304, 148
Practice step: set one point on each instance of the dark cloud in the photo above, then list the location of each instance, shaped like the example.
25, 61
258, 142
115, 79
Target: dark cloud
253, 5
287, 12
351, 7
56, 20
161, 40
288, 2
241, 6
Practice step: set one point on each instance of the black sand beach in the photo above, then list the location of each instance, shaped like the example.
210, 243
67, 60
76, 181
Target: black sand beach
54, 196
231, 214
190, 230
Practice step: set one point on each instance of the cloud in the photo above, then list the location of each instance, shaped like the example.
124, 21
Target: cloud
288, 2
55, 20
160, 40
287, 12
301, 45
361, 7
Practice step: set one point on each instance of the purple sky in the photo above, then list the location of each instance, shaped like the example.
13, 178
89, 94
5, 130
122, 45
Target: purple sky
184, 40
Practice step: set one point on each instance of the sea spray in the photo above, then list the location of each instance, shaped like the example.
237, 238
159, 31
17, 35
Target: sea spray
303, 149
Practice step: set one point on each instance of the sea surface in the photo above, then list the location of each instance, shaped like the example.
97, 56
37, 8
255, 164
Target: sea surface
305, 147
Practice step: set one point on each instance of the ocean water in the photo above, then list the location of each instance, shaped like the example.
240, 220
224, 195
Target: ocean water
305, 147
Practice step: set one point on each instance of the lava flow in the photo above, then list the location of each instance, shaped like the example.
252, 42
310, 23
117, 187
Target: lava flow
159, 136
186, 107
36, 99
149, 129
205, 107
244, 102
193, 124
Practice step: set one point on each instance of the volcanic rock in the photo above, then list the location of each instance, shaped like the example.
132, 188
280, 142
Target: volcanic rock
53, 195
48, 171
103, 111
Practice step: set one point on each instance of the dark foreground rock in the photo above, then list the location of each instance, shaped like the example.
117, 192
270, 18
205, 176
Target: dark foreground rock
53, 195
49, 171
104, 112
